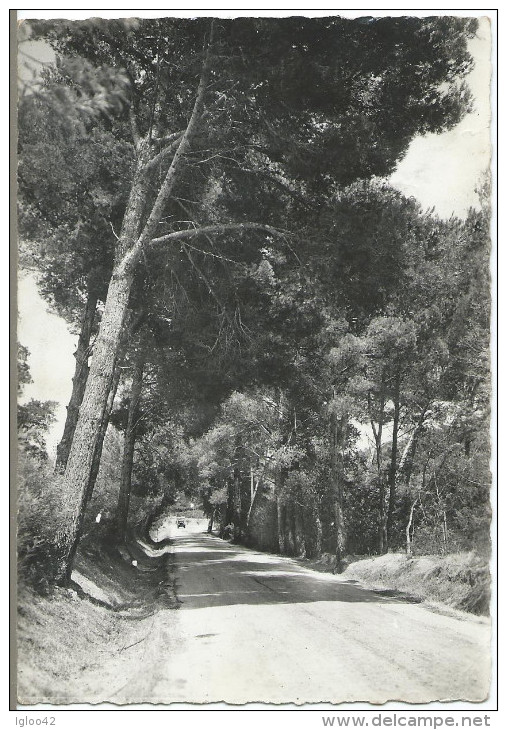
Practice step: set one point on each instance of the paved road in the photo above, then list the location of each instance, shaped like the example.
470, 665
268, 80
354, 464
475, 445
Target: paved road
257, 627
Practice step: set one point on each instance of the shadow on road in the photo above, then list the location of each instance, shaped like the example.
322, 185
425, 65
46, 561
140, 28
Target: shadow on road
211, 572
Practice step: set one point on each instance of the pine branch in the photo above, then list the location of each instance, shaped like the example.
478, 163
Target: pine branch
169, 138
222, 228
205, 280
171, 176
159, 158
210, 241
213, 255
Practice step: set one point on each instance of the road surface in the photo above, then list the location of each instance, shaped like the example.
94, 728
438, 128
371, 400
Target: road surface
254, 627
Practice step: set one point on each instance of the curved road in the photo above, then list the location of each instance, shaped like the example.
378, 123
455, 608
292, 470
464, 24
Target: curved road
257, 627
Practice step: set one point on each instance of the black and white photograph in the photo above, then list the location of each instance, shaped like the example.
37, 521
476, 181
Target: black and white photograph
255, 415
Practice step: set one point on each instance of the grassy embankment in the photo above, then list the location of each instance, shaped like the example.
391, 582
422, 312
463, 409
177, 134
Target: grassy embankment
83, 644
459, 580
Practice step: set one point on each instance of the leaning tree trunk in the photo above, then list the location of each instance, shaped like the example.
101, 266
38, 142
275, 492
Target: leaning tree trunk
127, 331
97, 454
406, 464
122, 509
78, 382
391, 479
254, 490
86, 436
132, 241
102, 433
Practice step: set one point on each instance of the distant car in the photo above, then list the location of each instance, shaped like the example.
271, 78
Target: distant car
181, 522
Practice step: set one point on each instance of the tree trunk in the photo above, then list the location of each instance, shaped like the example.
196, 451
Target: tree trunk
377, 434
254, 489
382, 530
338, 431
122, 509
78, 382
317, 550
408, 527
96, 457
291, 544
299, 531
249, 514
102, 433
229, 508
131, 242
86, 436
236, 502
444, 530
391, 479
127, 331
340, 536
312, 527
280, 526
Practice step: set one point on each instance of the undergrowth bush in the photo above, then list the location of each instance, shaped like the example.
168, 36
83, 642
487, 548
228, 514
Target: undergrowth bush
430, 540
43, 518
146, 512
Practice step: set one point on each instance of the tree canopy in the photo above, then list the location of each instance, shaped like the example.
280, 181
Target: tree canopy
217, 185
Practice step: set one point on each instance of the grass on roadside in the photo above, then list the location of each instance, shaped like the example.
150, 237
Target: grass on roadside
77, 649
460, 580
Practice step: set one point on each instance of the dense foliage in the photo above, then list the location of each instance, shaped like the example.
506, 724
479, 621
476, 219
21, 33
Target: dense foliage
293, 342
410, 387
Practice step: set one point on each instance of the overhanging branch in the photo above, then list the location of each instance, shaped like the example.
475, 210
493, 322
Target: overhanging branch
221, 229
159, 158
183, 145
169, 138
